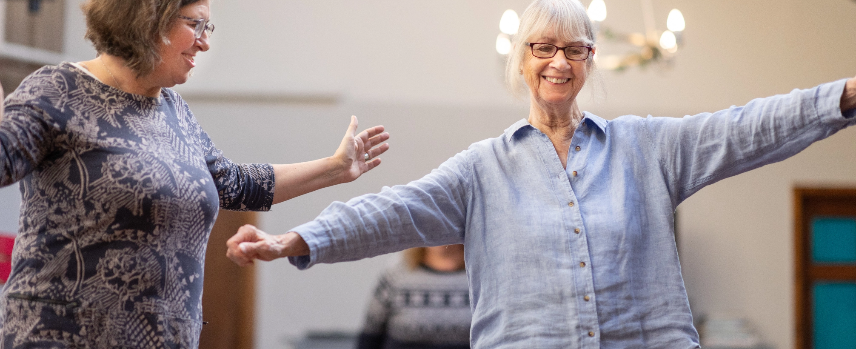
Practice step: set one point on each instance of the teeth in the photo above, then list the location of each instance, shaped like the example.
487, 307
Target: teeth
556, 81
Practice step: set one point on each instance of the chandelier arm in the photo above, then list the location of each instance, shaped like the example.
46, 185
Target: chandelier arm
648, 16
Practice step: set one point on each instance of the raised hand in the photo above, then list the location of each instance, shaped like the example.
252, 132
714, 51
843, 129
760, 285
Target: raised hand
358, 151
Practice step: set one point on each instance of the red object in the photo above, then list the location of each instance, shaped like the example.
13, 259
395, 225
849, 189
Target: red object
7, 241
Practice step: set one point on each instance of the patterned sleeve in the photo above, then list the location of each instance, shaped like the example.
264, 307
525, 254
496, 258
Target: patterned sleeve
241, 187
373, 334
26, 130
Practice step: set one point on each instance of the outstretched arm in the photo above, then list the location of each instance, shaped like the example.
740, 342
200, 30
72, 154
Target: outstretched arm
347, 164
250, 243
848, 98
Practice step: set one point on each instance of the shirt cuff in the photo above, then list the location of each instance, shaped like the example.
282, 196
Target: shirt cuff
308, 232
828, 105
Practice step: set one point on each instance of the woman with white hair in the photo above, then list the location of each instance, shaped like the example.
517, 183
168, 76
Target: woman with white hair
567, 218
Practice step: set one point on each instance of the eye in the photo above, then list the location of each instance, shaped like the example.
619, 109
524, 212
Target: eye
576, 50
544, 48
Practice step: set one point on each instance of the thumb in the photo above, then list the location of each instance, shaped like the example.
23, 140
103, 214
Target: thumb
352, 128
251, 249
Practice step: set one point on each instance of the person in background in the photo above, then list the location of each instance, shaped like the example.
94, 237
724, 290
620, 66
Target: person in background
567, 218
121, 186
422, 304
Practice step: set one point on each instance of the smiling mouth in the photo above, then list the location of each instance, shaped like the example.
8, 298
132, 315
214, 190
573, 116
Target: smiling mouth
555, 80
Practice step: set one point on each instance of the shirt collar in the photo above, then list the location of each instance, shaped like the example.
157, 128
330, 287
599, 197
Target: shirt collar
588, 119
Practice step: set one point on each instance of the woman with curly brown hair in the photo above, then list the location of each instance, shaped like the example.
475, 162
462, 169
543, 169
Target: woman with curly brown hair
121, 186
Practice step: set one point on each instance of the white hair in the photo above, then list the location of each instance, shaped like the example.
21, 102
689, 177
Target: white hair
569, 21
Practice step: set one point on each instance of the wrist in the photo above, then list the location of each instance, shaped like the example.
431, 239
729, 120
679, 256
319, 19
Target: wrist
293, 244
337, 169
848, 98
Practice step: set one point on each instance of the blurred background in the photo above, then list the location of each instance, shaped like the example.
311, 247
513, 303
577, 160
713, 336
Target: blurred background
283, 77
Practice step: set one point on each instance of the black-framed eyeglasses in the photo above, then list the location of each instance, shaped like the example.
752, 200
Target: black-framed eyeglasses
202, 25
572, 53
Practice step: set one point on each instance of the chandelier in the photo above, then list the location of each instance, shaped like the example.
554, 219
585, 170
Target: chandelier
653, 47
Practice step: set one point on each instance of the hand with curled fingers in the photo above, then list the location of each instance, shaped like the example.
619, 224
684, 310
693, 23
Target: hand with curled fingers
359, 152
250, 243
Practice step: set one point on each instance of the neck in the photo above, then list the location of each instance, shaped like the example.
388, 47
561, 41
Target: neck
452, 261
111, 70
559, 125
558, 122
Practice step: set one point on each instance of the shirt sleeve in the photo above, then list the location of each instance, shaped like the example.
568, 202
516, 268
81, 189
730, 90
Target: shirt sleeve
26, 130
240, 187
698, 150
430, 211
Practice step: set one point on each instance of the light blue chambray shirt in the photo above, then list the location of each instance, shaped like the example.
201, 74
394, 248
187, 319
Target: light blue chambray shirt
583, 257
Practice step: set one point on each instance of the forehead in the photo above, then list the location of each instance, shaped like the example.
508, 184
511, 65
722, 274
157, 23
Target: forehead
200, 7
553, 36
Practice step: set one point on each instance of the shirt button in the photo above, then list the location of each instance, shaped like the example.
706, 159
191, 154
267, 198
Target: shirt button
574, 173
577, 148
577, 230
591, 334
571, 204
587, 298
582, 264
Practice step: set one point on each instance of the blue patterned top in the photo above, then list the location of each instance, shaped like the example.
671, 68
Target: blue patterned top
582, 256
120, 192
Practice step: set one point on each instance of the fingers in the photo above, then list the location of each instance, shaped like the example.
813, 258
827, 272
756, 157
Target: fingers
372, 164
245, 234
374, 152
372, 140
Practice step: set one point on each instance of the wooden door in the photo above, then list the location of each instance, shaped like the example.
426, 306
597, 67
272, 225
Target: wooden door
825, 256
35, 23
228, 293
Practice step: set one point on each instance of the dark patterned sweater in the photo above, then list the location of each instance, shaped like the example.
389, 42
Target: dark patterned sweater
418, 309
120, 193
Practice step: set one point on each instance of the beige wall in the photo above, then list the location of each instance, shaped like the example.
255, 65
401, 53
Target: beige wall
438, 89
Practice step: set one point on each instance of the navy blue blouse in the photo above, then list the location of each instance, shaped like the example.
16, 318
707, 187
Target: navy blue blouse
120, 192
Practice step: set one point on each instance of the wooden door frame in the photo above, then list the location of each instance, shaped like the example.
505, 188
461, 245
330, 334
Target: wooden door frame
810, 202
228, 296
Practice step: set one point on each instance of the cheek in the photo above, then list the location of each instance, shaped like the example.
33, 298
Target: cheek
531, 74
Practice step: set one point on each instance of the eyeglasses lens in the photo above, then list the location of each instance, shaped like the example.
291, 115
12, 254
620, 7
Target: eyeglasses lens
203, 26
574, 53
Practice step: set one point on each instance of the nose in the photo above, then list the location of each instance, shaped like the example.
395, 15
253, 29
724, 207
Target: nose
203, 43
559, 61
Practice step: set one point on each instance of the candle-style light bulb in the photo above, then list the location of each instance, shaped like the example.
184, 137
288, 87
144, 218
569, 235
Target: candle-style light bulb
669, 42
675, 21
509, 22
503, 44
597, 10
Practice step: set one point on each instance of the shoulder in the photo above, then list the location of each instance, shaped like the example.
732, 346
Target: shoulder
172, 97
48, 82
633, 124
504, 140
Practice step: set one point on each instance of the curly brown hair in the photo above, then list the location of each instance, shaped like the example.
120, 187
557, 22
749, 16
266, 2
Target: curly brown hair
131, 29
